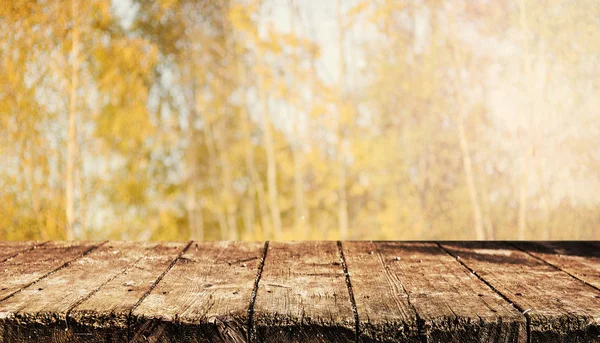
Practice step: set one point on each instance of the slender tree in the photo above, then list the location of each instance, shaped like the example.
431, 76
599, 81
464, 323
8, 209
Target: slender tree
464, 143
341, 139
72, 127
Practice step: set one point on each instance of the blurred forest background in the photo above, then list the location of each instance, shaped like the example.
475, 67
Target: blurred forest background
294, 119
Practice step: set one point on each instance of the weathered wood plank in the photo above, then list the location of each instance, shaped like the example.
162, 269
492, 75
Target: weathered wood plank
403, 291
105, 315
12, 249
384, 310
452, 304
302, 295
559, 308
40, 312
579, 259
203, 298
26, 268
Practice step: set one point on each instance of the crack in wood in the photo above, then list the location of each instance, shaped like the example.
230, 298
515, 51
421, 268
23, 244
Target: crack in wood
154, 284
20, 252
248, 317
250, 329
552, 265
243, 260
62, 266
350, 291
91, 294
512, 303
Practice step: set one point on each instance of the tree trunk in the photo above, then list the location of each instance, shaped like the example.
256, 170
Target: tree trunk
195, 221
257, 184
472, 188
466, 152
72, 128
486, 212
212, 156
227, 181
248, 214
301, 219
341, 148
343, 202
300, 212
271, 166
230, 199
541, 75
527, 143
34, 187
82, 197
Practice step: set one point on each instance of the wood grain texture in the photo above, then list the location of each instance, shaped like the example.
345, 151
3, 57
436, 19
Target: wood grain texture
559, 308
580, 259
28, 267
452, 304
384, 310
204, 298
12, 249
40, 312
105, 315
302, 295
300, 292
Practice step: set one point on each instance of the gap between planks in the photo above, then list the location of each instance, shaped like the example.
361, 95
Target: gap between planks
62, 266
348, 281
90, 294
250, 329
350, 292
552, 265
32, 247
160, 277
523, 312
84, 253
259, 274
154, 285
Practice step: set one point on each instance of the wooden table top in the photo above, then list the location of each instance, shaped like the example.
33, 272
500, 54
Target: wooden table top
300, 292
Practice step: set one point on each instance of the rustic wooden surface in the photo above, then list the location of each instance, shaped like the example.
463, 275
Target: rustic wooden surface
447, 301
12, 249
100, 317
302, 295
300, 292
204, 297
385, 311
558, 306
581, 260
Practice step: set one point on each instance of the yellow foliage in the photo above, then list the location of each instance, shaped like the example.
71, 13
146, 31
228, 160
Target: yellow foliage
188, 121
